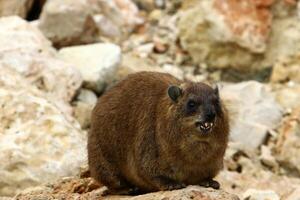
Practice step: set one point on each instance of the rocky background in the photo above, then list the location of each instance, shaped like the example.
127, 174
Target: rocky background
58, 56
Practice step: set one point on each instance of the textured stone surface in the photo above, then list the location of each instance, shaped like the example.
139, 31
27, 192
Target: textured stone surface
24, 49
287, 149
287, 69
253, 194
254, 112
15, 7
226, 33
96, 62
84, 189
38, 144
84, 21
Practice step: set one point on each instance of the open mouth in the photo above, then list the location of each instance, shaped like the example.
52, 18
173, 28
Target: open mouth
205, 127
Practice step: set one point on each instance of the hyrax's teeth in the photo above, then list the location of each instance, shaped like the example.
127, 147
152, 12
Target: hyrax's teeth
206, 124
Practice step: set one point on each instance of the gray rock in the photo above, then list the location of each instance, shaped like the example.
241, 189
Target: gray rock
96, 62
253, 112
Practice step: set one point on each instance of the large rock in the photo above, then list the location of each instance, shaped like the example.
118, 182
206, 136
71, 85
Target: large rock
24, 49
85, 189
15, 7
242, 35
96, 62
70, 22
254, 112
38, 143
226, 33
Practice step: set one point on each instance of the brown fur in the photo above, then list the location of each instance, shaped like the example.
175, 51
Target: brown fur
139, 137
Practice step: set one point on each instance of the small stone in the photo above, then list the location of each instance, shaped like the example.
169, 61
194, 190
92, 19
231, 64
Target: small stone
83, 112
96, 62
87, 96
267, 158
253, 194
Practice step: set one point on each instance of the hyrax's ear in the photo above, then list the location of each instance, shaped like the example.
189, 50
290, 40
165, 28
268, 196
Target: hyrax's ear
174, 92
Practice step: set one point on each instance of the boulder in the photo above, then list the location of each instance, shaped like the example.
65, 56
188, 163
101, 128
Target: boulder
24, 49
226, 33
86, 189
67, 22
254, 112
97, 63
38, 143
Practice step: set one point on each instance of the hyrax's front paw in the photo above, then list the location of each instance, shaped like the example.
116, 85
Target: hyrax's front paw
210, 183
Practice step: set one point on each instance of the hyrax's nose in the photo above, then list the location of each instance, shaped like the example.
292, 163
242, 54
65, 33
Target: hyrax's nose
210, 116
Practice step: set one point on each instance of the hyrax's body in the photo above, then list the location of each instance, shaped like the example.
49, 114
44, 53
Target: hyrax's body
153, 132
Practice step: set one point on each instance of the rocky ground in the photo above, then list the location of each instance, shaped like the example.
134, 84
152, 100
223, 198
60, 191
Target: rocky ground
58, 56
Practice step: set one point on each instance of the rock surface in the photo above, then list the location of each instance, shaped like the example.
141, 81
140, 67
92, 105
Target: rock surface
15, 7
287, 148
24, 49
84, 21
85, 189
37, 139
223, 32
255, 112
97, 63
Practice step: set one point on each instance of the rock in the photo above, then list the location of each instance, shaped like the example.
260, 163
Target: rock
15, 7
38, 143
24, 49
287, 148
97, 63
287, 69
68, 23
83, 112
86, 189
226, 33
267, 158
254, 111
257, 178
253, 194
87, 96
288, 95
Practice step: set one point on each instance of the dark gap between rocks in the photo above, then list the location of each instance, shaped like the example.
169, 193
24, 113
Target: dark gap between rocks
36, 9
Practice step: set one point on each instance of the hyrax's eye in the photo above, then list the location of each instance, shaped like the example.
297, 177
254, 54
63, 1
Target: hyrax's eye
191, 104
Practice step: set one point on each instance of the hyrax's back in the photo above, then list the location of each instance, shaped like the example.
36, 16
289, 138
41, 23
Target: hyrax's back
120, 115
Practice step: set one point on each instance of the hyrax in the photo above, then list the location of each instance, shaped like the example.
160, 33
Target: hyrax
154, 132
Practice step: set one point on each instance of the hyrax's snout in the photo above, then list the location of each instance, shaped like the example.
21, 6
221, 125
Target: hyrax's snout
206, 121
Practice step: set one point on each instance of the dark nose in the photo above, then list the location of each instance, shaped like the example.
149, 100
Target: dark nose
210, 116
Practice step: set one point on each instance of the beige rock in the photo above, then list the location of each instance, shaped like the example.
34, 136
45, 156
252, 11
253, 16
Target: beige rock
15, 7
287, 69
254, 111
288, 95
87, 96
225, 33
67, 22
97, 63
24, 49
83, 112
287, 149
37, 140
85, 189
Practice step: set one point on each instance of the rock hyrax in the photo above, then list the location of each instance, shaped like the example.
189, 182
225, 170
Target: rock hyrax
154, 132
